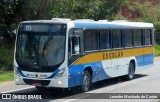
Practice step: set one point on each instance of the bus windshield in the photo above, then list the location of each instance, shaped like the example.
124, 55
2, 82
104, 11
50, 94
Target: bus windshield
39, 49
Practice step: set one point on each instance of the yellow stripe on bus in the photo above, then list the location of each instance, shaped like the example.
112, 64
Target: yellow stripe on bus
108, 55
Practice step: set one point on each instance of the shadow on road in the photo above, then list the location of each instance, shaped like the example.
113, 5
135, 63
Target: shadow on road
53, 93
113, 81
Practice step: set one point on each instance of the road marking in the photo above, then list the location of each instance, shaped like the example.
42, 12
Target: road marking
18, 89
76, 99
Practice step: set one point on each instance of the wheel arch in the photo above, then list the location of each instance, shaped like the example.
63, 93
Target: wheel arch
134, 62
89, 69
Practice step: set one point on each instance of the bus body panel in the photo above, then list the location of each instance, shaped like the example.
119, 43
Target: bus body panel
104, 64
116, 65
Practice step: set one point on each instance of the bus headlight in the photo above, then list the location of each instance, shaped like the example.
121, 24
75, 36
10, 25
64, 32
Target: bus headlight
59, 82
60, 73
16, 71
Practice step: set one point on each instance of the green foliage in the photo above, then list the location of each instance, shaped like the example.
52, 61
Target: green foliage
157, 32
46, 9
6, 77
7, 16
6, 58
14, 11
148, 12
157, 50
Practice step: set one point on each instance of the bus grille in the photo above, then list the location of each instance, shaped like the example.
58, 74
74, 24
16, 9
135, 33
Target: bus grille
40, 82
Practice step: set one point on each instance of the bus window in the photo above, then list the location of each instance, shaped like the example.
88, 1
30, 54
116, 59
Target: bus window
137, 37
116, 38
74, 45
90, 40
127, 38
104, 39
147, 36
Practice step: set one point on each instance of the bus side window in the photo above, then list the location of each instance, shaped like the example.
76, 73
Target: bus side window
116, 38
74, 45
137, 37
128, 40
147, 37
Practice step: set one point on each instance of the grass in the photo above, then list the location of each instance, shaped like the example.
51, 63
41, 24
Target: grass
9, 76
6, 62
157, 50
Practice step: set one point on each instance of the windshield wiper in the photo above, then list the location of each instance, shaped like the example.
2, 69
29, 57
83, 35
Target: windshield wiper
50, 37
47, 42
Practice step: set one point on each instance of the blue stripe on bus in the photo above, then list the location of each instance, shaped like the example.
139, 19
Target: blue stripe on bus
20, 71
96, 25
53, 74
144, 60
76, 73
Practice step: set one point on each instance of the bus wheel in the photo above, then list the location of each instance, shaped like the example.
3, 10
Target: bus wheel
86, 81
131, 71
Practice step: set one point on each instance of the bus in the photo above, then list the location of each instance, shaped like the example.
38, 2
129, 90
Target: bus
65, 53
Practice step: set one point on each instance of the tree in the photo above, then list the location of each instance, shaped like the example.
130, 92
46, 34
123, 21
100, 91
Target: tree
91, 9
15, 11
149, 11
8, 9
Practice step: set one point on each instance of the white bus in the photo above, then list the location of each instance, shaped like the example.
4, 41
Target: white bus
63, 53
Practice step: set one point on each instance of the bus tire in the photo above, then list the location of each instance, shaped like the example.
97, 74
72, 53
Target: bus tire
86, 81
131, 71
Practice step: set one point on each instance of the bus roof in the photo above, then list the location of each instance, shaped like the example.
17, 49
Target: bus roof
115, 24
46, 21
97, 24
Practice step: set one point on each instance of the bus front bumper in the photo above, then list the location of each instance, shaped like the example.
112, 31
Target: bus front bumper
61, 82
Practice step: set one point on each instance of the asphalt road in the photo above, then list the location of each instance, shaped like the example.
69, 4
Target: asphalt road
146, 81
